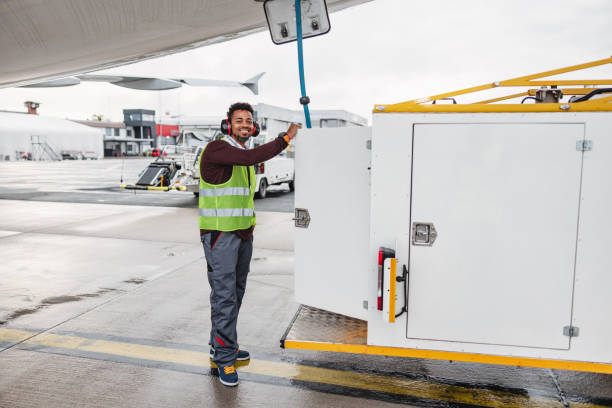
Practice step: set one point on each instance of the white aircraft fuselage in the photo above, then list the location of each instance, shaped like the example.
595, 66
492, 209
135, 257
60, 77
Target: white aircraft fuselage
45, 40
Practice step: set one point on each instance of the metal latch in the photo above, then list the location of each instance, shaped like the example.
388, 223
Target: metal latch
571, 331
302, 218
584, 145
423, 233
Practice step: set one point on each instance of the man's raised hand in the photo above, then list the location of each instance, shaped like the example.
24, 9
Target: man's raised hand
292, 131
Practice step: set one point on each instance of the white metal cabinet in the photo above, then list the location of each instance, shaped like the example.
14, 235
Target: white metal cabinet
331, 255
504, 199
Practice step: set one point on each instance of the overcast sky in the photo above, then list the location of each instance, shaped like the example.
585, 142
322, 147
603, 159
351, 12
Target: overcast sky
385, 51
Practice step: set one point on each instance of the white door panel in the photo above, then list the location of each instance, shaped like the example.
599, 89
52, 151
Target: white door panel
333, 183
504, 199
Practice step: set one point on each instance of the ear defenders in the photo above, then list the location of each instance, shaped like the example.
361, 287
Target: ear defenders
226, 128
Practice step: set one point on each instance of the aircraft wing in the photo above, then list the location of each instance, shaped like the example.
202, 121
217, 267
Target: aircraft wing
147, 83
251, 83
52, 39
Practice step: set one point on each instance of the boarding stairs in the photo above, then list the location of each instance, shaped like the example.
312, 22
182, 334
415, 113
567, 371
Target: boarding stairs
41, 150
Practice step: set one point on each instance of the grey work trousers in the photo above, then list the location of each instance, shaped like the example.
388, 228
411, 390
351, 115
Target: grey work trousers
228, 259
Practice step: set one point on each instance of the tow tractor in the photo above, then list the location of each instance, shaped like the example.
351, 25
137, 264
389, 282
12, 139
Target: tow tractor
176, 168
475, 231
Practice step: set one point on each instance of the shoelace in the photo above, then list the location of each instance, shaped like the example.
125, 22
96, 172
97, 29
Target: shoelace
229, 369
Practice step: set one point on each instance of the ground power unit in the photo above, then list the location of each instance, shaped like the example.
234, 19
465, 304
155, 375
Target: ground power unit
471, 232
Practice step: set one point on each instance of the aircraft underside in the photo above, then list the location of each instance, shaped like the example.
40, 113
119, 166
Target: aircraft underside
56, 38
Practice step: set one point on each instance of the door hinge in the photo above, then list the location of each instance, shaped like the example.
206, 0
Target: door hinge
302, 218
369, 144
571, 331
584, 145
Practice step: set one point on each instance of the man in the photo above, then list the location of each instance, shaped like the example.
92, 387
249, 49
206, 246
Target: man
226, 220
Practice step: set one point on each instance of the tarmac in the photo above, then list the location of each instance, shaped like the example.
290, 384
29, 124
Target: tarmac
106, 305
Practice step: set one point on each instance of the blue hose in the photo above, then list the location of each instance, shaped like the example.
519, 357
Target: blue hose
304, 100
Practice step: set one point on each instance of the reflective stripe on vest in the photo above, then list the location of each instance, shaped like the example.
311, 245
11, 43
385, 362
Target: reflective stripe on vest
226, 212
225, 191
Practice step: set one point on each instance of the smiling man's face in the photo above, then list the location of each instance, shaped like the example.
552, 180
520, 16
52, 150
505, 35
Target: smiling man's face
242, 125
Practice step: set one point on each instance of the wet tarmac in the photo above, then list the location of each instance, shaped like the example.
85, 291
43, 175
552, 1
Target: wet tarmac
97, 182
105, 305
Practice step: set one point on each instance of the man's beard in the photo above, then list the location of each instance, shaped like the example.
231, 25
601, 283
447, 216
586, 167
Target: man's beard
241, 139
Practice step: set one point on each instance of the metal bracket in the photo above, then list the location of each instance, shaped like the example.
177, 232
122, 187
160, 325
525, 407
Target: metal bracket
423, 233
302, 218
571, 331
584, 145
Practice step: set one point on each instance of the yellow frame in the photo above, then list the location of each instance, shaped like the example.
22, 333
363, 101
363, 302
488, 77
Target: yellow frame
452, 356
152, 188
392, 275
595, 105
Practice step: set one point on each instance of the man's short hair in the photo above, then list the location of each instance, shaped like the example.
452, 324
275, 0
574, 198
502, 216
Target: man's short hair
239, 106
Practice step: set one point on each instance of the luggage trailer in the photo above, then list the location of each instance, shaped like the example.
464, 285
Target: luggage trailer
474, 232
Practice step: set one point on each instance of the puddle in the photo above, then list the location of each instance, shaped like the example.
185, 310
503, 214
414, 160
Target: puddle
22, 312
60, 299
55, 300
135, 281
97, 294
106, 290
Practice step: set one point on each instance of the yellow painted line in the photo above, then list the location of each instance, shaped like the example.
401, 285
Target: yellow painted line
14, 336
400, 386
452, 356
363, 381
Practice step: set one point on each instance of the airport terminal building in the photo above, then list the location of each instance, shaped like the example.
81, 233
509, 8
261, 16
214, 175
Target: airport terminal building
132, 137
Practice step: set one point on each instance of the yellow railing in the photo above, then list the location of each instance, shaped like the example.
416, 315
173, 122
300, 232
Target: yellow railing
422, 105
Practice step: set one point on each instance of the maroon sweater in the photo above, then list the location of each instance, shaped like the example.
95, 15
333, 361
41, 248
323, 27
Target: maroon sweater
219, 157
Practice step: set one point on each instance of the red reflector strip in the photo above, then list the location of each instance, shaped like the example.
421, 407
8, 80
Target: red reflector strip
383, 253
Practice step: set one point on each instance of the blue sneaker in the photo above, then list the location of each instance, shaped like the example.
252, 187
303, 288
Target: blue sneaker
228, 375
243, 355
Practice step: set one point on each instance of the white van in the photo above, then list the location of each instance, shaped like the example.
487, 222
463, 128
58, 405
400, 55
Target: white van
277, 170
